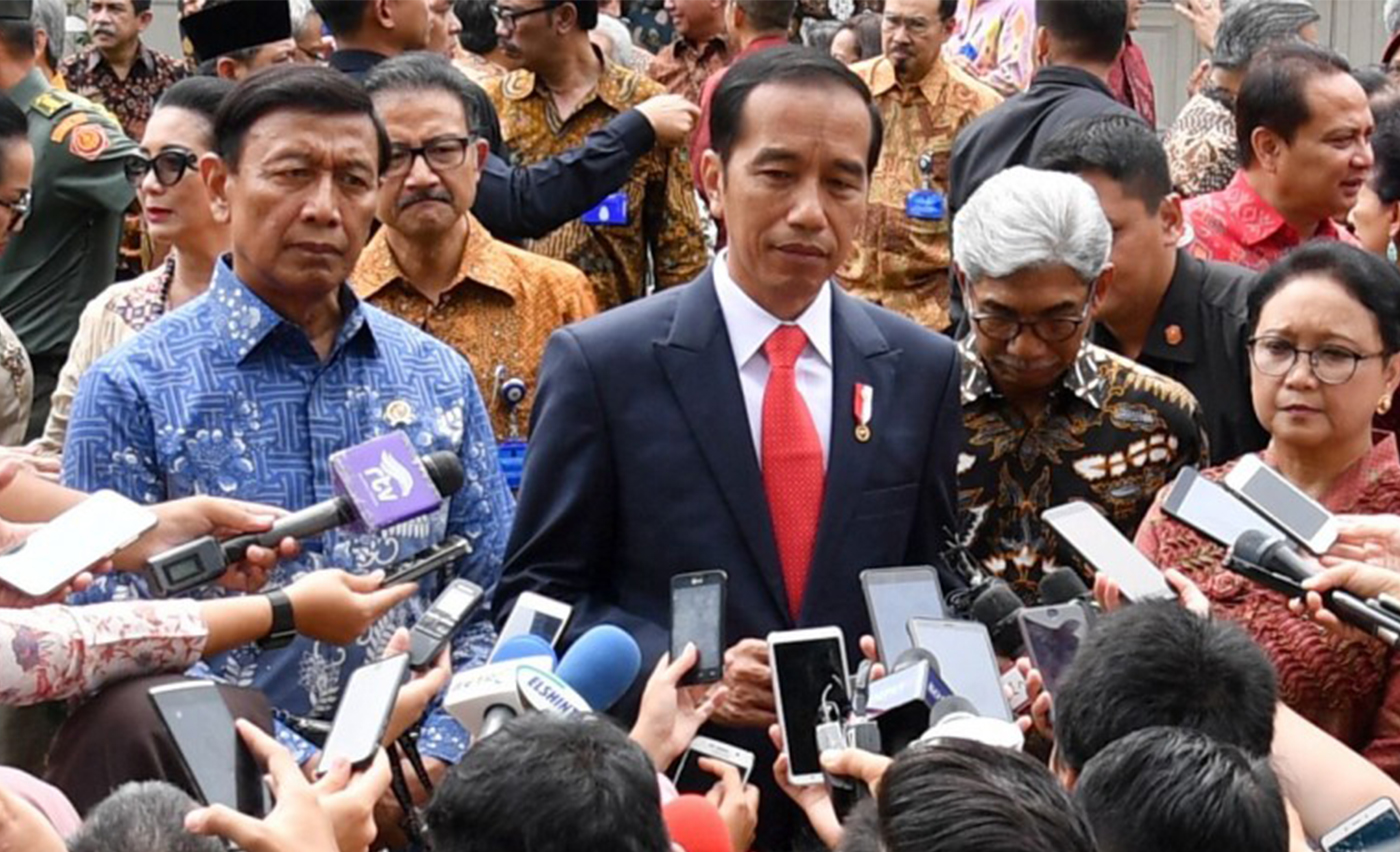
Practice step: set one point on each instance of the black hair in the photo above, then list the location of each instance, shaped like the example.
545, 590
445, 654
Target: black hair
1374, 79
963, 796
1092, 30
793, 65
420, 71
140, 6
18, 38
768, 16
947, 10
1155, 663
303, 88
1273, 94
478, 33
1371, 280
200, 95
866, 27
14, 128
1120, 147
587, 11
1385, 145
589, 787
1167, 789
343, 17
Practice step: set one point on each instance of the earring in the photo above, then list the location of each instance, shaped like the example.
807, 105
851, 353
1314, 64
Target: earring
1383, 407
1392, 254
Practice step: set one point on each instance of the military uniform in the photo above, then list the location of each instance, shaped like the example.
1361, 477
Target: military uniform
67, 252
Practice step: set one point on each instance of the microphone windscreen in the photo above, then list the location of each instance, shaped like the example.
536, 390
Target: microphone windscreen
1253, 545
602, 665
948, 706
521, 647
445, 470
1062, 585
695, 825
914, 656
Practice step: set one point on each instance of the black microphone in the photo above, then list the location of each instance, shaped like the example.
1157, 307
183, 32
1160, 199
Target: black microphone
1062, 586
1261, 551
995, 605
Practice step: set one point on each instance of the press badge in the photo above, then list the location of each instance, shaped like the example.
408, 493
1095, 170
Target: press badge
610, 211
925, 204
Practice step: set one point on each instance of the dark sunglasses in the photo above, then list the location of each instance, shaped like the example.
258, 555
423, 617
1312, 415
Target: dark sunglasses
19, 210
170, 165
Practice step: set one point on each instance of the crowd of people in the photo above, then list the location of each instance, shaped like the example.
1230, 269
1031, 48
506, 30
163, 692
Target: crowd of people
787, 288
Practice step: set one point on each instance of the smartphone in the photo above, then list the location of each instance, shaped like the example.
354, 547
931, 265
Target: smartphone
809, 669
895, 595
363, 713
426, 561
536, 615
690, 778
697, 616
1093, 537
1304, 519
434, 629
1376, 828
1053, 635
966, 662
73, 542
1210, 509
213, 753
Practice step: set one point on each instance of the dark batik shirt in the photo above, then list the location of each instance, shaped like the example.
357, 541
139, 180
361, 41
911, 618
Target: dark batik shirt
130, 100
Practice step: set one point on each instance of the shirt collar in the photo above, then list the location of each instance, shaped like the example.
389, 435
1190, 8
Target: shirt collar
883, 79
1252, 219
1068, 75
143, 58
760, 44
750, 326
481, 263
611, 88
1083, 378
245, 320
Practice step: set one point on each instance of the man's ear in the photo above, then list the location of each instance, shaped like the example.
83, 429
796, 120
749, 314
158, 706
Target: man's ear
712, 179
214, 172
1269, 148
1172, 218
1102, 285
226, 67
144, 19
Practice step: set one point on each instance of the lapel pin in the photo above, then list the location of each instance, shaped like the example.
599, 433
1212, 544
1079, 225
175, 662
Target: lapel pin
864, 407
398, 413
1174, 335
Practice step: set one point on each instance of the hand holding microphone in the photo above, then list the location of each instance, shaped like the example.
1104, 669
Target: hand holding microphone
1362, 580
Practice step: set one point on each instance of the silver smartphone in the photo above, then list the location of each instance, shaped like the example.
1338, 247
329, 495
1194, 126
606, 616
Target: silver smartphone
1268, 492
1093, 537
364, 712
536, 615
966, 662
809, 669
1376, 828
1211, 510
690, 778
74, 541
895, 595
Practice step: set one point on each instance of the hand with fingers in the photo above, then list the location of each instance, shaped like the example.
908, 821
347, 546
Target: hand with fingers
671, 714
737, 802
750, 682
1374, 539
333, 606
813, 799
1362, 580
1037, 716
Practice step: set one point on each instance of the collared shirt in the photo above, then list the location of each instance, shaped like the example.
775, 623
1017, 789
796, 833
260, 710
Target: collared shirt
1199, 338
1112, 434
1237, 225
131, 100
683, 67
661, 219
700, 139
478, 68
1131, 82
994, 42
225, 397
499, 313
899, 261
749, 327
1201, 147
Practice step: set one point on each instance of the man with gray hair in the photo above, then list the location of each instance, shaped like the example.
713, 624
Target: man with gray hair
49, 17
142, 816
1049, 417
1201, 146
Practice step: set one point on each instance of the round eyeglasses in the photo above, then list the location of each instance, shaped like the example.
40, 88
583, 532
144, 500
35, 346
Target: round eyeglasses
169, 165
1332, 365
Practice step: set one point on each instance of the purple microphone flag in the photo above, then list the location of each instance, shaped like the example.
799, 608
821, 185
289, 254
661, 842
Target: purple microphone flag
385, 481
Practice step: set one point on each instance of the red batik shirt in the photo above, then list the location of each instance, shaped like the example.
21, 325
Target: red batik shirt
1236, 225
1131, 82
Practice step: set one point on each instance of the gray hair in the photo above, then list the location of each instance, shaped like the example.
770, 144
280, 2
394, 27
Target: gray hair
51, 17
1024, 218
301, 10
1250, 27
142, 816
1392, 16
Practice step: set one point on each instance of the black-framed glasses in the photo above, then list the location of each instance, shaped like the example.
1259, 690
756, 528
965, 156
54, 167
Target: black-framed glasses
1332, 365
506, 18
442, 154
1048, 329
19, 209
169, 165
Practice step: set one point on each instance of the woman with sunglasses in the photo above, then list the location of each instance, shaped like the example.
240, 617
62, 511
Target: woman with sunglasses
1324, 332
16, 174
176, 207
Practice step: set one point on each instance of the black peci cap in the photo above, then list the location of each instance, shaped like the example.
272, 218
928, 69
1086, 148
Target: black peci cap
232, 25
16, 10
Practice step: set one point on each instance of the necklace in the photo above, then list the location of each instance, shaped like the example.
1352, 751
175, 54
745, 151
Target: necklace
167, 277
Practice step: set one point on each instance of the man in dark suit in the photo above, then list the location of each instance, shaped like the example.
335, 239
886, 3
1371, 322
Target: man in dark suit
757, 419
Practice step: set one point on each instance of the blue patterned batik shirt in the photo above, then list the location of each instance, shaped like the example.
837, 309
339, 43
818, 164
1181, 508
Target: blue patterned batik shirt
224, 397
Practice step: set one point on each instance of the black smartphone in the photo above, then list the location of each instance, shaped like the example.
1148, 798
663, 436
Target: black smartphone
1053, 635
1210, 509
809, 671
434, 630
364, 711
213, 753
895, 595
697, 617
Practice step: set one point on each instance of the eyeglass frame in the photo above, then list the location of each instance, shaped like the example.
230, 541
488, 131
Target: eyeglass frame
422, 151
189, 161
19, 209
1022, 324
507, 17
1356, 359
895, 22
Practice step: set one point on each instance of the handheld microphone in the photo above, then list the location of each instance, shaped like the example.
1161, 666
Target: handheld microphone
1062, 586
543, 692
521, 647
485, 698
900, 701
1261, 552
601, 665
996, 607
695, 824
956, 718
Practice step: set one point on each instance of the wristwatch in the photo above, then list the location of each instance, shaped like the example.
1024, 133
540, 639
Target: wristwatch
284, 627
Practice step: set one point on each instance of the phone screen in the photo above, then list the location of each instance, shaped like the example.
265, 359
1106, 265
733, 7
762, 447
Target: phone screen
1381, 834
1270, 490
697, 615
202, 727
690, 778
1053, 634
364, 711
807, 671
83, 535
966, 662
1213, 511
894, 597
1093, 537
527, 619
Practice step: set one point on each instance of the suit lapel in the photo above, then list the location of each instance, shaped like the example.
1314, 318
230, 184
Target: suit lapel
698, 360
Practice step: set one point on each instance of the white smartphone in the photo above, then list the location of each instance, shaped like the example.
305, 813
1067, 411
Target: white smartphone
1211, 510
1376, 828
690, 778
809, 668
73, 542
1092, 536
895, 595
364, 712
536, 615
966, 662
1304, 519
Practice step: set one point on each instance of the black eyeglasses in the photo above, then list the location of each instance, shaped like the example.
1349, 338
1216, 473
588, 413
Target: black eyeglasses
19, 209
507, 17
442, 154
1332, 365
170, 165
1048, 329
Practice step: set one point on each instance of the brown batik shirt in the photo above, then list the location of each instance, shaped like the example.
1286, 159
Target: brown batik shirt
683, 67
131, 100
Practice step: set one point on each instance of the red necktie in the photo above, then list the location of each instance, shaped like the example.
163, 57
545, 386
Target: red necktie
792, 462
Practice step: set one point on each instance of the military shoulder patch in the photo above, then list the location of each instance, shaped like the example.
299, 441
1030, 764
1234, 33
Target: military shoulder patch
65, 125
51, 103
89, 141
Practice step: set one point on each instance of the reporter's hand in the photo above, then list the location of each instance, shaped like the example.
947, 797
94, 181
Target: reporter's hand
348, 798
24, 829
671, 116
1373, 539
1038, 714
750, 681
182, 521
737, 802
1107, 593
813, 799
1362, 580
1204, 16
42, 465
330, 605
671, 714
1188, 594
859, 764
419, 692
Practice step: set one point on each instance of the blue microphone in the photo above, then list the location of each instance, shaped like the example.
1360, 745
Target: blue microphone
521, 647
601, 666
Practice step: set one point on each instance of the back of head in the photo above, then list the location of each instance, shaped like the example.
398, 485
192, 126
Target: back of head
768, 16
962, 796
51, 17
146, 816
17, 39
1154, 663
1024, 218
200, 95
478, 25
1119, 147
1274, 92
1090, 31
1168, 789
1250, 27
343, 17
586, 785
1385, 144
867, 29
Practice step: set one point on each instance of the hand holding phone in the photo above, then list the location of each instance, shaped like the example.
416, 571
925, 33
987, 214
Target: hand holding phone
690, 778
809, 672
213, 753
1089, 533
76, 540
363, 714
434, 630
697, 618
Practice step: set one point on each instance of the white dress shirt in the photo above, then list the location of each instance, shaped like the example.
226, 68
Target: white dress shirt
749, 328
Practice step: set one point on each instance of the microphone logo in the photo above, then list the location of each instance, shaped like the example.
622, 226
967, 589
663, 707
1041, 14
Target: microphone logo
390, 481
